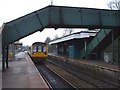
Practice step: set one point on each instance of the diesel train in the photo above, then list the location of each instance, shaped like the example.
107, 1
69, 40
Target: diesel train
39, 52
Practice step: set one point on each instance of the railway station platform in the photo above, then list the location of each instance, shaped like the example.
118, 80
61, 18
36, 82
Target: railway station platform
104, 70
100, 64
22, 73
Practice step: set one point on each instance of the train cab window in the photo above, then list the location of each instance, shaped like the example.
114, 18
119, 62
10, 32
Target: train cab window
35, 49
44, 49
39, 49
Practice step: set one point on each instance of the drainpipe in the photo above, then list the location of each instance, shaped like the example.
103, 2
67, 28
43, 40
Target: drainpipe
112, 47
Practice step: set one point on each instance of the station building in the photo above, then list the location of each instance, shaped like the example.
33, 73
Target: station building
14, 48
102, 45
70, 45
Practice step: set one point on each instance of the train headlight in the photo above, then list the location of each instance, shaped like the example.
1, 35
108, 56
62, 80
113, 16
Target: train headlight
45, 52
33, 53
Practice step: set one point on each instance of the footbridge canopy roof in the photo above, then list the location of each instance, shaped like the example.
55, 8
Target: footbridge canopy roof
59, 17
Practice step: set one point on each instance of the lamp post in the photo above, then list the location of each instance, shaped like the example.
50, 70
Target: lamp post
51, 2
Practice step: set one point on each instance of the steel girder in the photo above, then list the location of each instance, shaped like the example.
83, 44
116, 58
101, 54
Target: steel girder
59, 17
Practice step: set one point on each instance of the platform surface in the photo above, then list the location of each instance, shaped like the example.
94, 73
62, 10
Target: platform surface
22, 73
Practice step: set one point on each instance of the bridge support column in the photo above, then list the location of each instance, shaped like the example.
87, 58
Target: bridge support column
3, 59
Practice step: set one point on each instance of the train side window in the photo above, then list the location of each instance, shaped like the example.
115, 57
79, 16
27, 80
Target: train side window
39, 49
35, 49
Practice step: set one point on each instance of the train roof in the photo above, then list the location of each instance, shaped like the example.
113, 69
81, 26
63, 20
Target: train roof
38, 43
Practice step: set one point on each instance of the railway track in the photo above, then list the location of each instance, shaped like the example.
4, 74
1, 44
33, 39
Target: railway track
53, 80
97, 82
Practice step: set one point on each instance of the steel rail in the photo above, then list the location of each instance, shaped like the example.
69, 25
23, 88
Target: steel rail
47, 78
99, 79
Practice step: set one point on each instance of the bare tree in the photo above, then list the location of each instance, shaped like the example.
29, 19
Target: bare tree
114, 4
67, 31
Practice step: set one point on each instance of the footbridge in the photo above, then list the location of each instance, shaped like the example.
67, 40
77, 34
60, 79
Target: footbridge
56, 17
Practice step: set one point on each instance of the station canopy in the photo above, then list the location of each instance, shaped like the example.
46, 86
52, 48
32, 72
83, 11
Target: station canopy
78, 35
59, 17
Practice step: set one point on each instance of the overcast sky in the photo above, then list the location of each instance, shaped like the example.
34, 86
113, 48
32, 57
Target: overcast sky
12, 9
